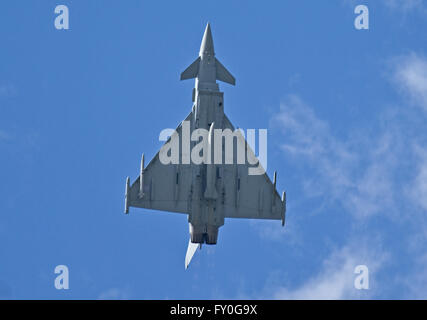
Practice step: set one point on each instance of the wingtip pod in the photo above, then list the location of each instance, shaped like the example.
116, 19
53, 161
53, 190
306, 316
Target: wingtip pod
127, 192
284, 208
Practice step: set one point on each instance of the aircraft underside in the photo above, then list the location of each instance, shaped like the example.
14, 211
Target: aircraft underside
192, 175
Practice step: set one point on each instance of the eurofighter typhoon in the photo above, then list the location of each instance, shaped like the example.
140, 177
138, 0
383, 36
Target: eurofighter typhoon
226, 181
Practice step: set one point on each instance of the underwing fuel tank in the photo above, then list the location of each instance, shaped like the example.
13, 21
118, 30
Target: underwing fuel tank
210, 192
127, 195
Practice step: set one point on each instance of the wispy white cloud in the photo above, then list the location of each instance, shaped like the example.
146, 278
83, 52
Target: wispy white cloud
381, 170
416, 281
410, 74
335, 279
419, 190
7, 90
405, 5
4, 135
271, 231
402, 8
355, 172
114, 294
361, 170
410, 77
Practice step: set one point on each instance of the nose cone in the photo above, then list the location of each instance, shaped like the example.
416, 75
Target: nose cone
207, 47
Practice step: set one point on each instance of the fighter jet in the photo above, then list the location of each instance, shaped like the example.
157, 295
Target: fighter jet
210, 191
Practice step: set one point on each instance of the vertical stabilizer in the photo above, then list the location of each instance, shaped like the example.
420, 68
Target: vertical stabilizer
191, 250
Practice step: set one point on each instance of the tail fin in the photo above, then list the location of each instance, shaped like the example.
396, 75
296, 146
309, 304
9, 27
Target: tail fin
191, 250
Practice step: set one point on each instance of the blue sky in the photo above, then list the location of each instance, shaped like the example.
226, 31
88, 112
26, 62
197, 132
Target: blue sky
346, 111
